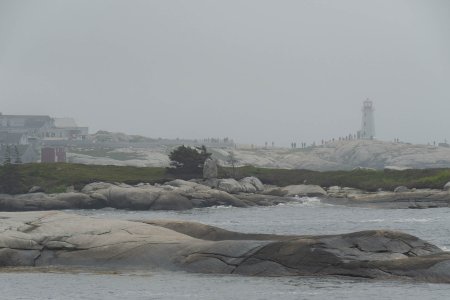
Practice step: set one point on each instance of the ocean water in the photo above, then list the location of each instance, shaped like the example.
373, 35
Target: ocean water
177, 286
309, 217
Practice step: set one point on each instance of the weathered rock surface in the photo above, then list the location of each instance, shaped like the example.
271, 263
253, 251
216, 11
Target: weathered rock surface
229, 185
36, 189
336, 192
252, 183
338, 155
34, 239
41, 201
212, 233
425, 198
205, 196
232, 186
183, 195
447, 186
302, 190
173, 195
401, 189
95, 186
210, 169
264, 200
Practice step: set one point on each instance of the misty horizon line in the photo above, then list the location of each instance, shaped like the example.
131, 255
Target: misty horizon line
259, 145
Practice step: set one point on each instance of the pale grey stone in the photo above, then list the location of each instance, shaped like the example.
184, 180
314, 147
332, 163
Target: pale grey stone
210, 169
54, 239
255, 182
447, 186
36, 189
303, 190
401, 189
230, 185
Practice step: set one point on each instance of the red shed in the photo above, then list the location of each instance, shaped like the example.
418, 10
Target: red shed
51, 155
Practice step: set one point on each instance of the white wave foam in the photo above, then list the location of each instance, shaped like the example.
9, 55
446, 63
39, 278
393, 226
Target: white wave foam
374, 221
310, 200
413, 220
216, 207
307, 201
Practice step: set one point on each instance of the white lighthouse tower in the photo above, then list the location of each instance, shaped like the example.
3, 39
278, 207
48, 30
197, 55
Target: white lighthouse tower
368, 122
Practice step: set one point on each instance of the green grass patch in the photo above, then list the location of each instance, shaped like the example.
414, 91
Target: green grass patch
369, 180
57, 177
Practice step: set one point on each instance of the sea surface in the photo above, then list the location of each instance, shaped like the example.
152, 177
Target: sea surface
309, 217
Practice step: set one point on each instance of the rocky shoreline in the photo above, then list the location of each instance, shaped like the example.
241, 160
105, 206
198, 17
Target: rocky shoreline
182, 195
173, 195
338, 155
57, 239
402, 198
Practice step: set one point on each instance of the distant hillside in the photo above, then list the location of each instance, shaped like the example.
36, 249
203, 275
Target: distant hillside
106, 136
345, 155
340, 155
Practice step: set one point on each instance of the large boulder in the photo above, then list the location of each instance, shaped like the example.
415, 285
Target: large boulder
418, 198
171, 201
41, 201
343, 192
301, 190
212, 182
132, 198
211, 233
247, 187
401, 189
143, 196
95, 186
80, 200
201, 195
56, 239
222, 198
230, 185
447, 186
210, 169
36, 189
180, 183
173, 195
252, 183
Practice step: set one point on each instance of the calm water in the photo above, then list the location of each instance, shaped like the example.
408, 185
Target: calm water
308, 218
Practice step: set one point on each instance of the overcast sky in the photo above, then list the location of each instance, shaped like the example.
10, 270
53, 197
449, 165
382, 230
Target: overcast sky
254, 70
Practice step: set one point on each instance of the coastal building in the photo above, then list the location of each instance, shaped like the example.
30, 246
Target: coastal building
13, 138
23, 124
53, 154
368, 121
65, 129
41, 127
23, 136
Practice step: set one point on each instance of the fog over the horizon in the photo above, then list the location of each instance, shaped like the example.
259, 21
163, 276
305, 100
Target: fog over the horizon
252, 70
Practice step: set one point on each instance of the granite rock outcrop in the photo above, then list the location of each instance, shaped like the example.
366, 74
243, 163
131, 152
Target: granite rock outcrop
173, 195
56, 239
